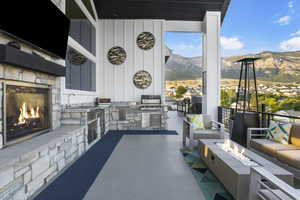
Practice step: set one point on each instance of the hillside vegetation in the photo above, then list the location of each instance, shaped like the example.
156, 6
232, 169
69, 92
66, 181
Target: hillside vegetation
273, 66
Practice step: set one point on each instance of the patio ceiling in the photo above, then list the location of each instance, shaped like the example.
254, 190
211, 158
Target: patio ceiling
188, 10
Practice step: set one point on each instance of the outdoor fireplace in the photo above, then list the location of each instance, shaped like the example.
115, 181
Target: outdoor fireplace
26, 110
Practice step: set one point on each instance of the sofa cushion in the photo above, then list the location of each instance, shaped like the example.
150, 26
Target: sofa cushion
295, 135
290, 157
279, 132
270, 147
196, 121
208, 134
207, 121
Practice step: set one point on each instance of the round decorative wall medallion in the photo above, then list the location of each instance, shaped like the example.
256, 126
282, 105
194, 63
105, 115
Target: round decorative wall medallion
145, 40
142, 79
76, 58
116, 55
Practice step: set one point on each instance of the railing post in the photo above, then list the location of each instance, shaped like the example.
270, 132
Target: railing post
263, 116
220, 114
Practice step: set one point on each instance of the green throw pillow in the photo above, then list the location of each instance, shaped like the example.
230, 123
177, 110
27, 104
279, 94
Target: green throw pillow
196, 121
279, 132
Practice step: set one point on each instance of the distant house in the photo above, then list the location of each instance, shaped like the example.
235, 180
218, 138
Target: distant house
288, 113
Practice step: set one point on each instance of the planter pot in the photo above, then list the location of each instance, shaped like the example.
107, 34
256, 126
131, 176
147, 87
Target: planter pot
230, 125
242, 122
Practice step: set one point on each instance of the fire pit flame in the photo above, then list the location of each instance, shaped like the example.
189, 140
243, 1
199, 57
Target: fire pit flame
233, 149
226, 146
24, 114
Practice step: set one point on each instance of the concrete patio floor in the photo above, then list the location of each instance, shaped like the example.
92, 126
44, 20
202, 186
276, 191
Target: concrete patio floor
147, 167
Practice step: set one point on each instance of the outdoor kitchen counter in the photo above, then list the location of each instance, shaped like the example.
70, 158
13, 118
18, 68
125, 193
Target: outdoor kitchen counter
85, 108
94, 117
135, 116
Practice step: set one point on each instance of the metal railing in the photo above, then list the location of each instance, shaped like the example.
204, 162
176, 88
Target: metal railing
189, 108
226, 115
182, 107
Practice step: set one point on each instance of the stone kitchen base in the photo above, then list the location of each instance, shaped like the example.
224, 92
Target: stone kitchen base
23, 173
132, 116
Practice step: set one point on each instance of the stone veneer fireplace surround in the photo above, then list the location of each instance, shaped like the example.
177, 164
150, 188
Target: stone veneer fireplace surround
12, 75
29, 165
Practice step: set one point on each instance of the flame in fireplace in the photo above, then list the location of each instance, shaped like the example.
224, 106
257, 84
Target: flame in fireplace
25, 115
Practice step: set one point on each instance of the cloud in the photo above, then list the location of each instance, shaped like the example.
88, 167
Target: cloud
296, 33
184, 47
292, 44
231, 43
291, 6
188, 50
284, 20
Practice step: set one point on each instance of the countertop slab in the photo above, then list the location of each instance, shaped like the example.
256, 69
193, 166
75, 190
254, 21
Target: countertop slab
85, 108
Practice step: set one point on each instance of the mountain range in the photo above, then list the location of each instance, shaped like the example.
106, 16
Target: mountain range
273, 66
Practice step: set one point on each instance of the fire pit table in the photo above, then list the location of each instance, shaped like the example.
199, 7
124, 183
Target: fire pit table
231, 164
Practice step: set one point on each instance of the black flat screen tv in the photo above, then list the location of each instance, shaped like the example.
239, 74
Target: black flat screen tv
38, 23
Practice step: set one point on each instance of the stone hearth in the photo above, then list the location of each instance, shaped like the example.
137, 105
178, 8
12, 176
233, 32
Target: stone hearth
26, 77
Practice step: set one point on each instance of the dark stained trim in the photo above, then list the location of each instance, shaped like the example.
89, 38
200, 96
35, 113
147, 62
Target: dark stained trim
16, 57
225, 9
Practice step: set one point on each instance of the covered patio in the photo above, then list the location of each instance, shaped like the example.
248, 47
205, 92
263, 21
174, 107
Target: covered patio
108, 131
143, 166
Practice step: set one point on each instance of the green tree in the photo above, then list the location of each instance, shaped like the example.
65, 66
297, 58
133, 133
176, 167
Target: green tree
273, 102
270, 102
180, 91
289, 104
227, 97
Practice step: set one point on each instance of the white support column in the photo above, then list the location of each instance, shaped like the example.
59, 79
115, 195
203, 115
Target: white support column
211, 63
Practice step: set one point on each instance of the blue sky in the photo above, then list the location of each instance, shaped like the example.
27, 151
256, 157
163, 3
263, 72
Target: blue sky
250, 26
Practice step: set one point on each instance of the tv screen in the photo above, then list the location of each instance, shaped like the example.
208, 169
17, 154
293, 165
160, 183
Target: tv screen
38, 23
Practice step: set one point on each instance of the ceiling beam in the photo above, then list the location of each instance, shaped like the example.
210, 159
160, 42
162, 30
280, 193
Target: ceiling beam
184, 26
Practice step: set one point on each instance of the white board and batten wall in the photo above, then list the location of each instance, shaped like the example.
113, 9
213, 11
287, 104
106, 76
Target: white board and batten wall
116, 81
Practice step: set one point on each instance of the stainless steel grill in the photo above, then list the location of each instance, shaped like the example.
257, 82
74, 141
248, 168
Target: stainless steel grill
150, 99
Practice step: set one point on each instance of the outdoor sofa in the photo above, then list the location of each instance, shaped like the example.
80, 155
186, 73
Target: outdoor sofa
286, 155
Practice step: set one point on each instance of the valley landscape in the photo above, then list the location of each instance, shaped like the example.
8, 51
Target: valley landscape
278, 79
273, 66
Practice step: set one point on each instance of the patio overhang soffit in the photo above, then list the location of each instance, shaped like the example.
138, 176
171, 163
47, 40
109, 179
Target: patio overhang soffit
185, 10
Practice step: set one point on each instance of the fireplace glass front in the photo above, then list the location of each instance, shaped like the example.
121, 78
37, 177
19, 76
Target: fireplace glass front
27, 111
